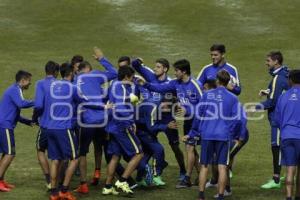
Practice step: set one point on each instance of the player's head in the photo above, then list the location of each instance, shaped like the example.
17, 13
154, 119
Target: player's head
274, 59
126, 73
123, 61
84, 67
182, 68
52, 68
161, 67
66, 71
75, 61
217, 53
23, 78
223, 78
294, 77
210, 84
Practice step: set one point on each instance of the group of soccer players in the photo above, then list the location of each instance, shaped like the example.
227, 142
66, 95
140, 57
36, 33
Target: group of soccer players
122, 113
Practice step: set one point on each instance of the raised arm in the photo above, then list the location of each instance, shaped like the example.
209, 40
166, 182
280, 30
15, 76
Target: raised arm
143, 70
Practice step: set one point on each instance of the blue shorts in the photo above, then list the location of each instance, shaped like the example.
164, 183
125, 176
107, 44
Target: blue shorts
173, 136
124, 143
62, 144
290, 152
87, 135
41, 140
214, 152
7, 141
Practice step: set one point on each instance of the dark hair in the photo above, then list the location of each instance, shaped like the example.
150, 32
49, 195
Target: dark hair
218, 47
66, 69
164, 62
294, 76
22, 75
223, 77
183, 65
125, 71
84, 64
51, 67
76, 59
211, 83
124, 58
276, 55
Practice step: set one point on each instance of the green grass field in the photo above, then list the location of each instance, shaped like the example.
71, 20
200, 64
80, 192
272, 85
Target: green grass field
33, 32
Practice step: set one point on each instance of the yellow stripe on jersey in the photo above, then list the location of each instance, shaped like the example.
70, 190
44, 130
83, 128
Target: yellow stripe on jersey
72, 144
133, 142
197, 86
153, 115
273, 87
8, 141
236, 73
202, 70
124, 93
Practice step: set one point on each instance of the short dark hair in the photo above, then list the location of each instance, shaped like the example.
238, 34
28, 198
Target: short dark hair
84, 64
223, 77
218, 47
76, 59
125, 71
21, 74
294, 76
276, 55
66, 69
164, 62
124, 58
51, 67
183, 65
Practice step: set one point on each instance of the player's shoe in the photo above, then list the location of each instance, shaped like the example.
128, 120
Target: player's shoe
210, 185
185, 183
95, 180
3, 188
226, 194
54, 197
10, 186
149, 175
66, 196
48, 186
110, 191
82, 188
142, 183
158, 181
181, 177
271, 185
124, 187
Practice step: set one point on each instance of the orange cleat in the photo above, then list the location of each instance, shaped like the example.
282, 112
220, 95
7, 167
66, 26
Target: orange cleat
95, 180
3, 188
82, 188
54, 197
66, 196
10, 186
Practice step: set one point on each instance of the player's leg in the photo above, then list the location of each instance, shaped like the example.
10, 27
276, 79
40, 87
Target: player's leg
297, 194
7, 148
289, 181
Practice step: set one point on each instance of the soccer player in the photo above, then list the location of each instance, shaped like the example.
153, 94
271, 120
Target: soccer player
277, 86
75, 61
62, 142
287, 119
11, 104
122, 129
43, 88
216, 118
160, 75
209, 72
188, 93
89, 82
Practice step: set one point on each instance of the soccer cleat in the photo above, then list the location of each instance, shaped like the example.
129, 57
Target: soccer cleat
149, 175
82, 188
226, 194
10, 186
124, 187
185, 183
210, 185
66, 196
54, 197
48, 186
95, 180
271, 185
181, 177
157, 181
142, 183
110, 191
3, 188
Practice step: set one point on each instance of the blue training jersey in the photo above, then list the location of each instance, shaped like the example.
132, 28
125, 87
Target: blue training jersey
11, 104
209, 72
287, 114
